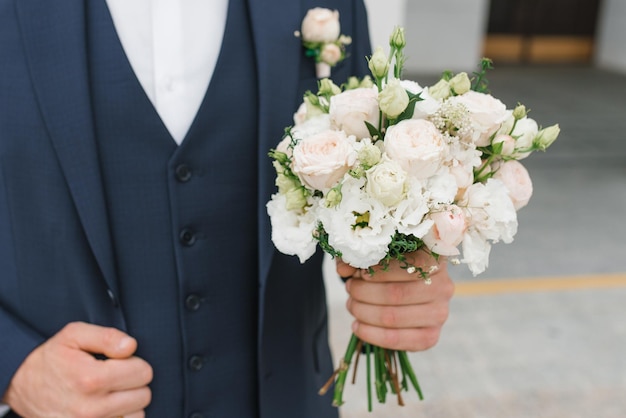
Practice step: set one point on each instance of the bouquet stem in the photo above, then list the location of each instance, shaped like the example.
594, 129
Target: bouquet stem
389, 365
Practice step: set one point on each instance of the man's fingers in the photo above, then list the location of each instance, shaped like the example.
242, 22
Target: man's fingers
109, 342
400, 293
407, 339
127, 403
409, 316
121, 375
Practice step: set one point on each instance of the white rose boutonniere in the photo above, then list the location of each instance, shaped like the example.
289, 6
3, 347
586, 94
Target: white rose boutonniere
322, 39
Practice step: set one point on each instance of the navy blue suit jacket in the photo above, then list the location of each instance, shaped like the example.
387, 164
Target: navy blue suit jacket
56, 256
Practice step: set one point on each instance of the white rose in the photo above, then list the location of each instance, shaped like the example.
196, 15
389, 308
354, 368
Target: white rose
447, 231
417, 146
311, 126
487, 114
351, 109
330, 54
322, 159
476, 251
386, 182
321, 25
517, 181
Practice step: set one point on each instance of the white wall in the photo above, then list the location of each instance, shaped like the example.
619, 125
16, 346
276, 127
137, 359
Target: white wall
611, 37
383, 16
441, 34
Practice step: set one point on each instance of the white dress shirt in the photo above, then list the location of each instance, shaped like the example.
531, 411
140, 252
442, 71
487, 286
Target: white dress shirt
172, 46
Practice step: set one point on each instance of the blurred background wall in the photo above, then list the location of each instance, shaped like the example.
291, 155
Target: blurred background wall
455, 34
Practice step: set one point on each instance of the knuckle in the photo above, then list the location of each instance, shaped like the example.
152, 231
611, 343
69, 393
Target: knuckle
396, 293
388, 317
87, 383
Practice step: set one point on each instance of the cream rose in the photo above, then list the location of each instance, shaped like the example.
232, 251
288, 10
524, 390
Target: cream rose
487, 114
417, 146
447, 231
322, 159
386, 182
516, 180
351, 109
321, 25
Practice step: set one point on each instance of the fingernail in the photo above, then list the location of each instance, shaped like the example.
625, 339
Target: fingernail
355, 326
348, 285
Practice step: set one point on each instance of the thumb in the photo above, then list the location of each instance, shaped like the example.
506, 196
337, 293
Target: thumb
95, 339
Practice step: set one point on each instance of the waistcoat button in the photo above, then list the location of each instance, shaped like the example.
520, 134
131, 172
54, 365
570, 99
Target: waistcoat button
196, 363
192, 302
187, 237
183, 173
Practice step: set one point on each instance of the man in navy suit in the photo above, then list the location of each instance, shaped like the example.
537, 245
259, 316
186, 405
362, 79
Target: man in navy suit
137, 276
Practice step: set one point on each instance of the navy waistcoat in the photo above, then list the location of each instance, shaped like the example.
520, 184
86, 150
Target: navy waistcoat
184, 223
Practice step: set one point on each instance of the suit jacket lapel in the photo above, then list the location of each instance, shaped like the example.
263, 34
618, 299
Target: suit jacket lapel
278, 54
54, 41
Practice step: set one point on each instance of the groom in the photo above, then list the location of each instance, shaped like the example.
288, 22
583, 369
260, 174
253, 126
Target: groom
137, 275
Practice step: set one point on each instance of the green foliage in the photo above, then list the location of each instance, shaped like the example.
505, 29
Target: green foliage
480, 83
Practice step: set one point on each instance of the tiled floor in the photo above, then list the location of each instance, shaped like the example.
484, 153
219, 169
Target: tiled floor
537, 353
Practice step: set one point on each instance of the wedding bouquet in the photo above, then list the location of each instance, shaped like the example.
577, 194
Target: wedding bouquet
381, 167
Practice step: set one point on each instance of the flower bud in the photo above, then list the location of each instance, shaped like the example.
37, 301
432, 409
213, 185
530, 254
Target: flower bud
285, 184
328, 88
296, 198
519, 112
366, 82
393, 100
369, 156
352, 83
441, 90
378, 64
460, 83
546, 137
333, 197
397, 39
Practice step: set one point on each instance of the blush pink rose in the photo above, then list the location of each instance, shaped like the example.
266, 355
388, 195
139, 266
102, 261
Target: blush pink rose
447, 232
351, 109
330, 54
322, 159
321, 25
417, 145
516, 180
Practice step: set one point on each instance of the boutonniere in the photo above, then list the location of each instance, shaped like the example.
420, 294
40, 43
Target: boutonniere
322, 39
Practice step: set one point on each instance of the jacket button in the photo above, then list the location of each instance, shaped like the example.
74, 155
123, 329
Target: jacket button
183, 173
192, 302
187, 237
196, 363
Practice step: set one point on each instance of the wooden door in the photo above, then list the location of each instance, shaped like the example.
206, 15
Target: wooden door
541, 31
